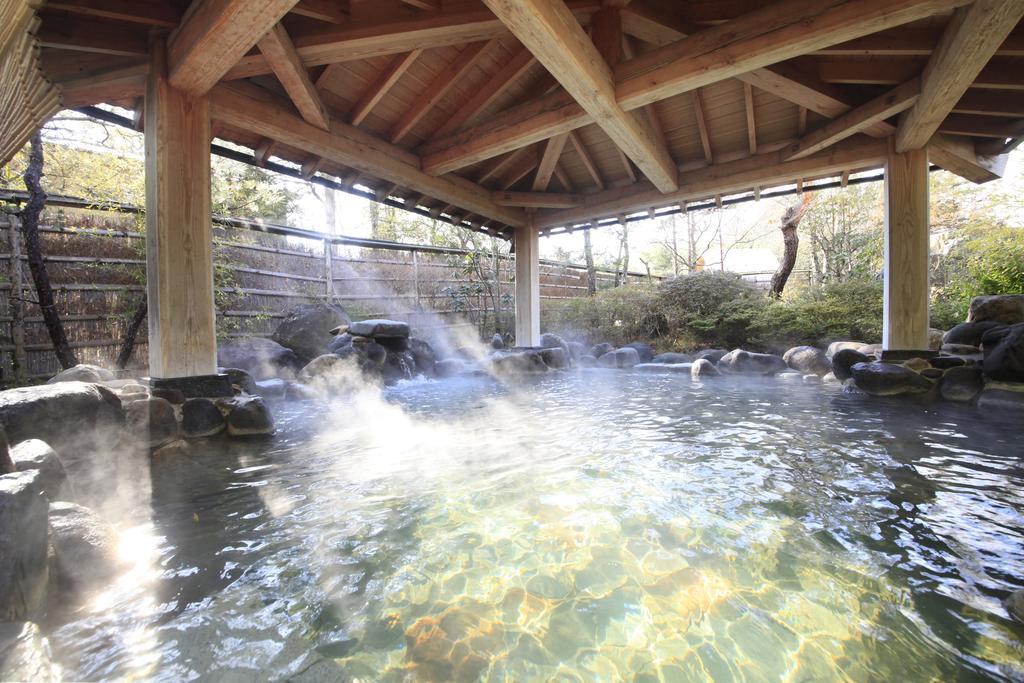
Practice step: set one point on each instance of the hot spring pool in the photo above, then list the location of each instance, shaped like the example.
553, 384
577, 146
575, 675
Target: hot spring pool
596, 526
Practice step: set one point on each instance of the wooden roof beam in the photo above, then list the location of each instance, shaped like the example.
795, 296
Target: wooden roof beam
968, 42
430, 5
214, 35
537, 200
133, 11
332, 11
251, 108
748, 104
551, 32
586, 160
857, 120
960, 156
702, 126
552, 152
280, 53
385, 80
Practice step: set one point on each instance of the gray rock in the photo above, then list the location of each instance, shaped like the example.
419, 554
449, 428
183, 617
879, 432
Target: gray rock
519, 361
947, 362
599, 350
808, 360
623, 358
969, 334
934, 339
249, 416
82, 372
342, 341
1002, 399
271, 389
297, 391
379, 327
6, 462
1004, 353
712, 355
837, 346
961, 383
175, 449
83, 546
742, 362
323, 368
672, 358
831, 378
871, 350
449, 367
664, 368
1000, 308
307, 329
36, 454
886, 379
171, 395
790, 376
577, 350
644, 351
134, 390
23, 547
398, 365
549, 340
933, 373
25, 654
152, 420
241, 379
813, 379
1014, 604
962, 350
200, 417
424, 356
497, 342
260, 357
556, 358
587, 361
844, 359
702, 367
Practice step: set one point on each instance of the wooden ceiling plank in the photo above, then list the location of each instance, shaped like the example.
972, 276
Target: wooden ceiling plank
385, 80
86, 34
429, 5
552, 153
438, 87
991, 103
563, 178
748, 106
331, 11
259, 111
94, 87
214, 36
551, 32
982, 126
277, 47
537, 200
147, 13
968, 42
856, 120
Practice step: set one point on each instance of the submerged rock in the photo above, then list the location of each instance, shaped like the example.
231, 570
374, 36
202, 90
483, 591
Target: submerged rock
808, 360
248, 416
743, 362
152, 420
84, 546
449, 367
36, 454
1000, 308
200, 417
1004, 354
886, 379
25, 654
306, 329
961, 383
82, 372
672, 358
379, 327
844, 359
623, 358
262, 358
1014, 604
1003, 398
23, 546
702, 367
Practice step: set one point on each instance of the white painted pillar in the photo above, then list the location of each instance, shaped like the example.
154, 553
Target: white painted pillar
527, 242
905, 317
179, 239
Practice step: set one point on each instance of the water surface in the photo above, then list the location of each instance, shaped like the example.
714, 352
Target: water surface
596, 526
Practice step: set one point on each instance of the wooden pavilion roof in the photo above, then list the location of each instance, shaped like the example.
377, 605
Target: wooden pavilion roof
556, 113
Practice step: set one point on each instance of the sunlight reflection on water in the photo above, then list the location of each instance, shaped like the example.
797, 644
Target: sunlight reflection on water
600, 526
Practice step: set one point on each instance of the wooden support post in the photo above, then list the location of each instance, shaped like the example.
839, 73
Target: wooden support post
527, 243
179, 239
905, 323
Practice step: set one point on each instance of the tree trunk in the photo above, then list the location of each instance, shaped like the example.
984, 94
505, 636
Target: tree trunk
30, 229
791, 242
128, 344
625, 254
588, 252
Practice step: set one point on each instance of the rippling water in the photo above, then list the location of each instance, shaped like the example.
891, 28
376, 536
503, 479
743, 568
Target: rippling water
599, 526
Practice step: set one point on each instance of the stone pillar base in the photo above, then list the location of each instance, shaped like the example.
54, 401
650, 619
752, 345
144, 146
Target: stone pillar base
198, 386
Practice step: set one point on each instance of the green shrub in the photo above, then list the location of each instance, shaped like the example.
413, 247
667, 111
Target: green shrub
988, 261
842, 310
618, 316
710, 308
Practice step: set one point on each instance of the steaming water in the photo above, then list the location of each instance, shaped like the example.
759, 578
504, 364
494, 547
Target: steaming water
601, 526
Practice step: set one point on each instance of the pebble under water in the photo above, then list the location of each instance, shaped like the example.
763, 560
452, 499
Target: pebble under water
585, 526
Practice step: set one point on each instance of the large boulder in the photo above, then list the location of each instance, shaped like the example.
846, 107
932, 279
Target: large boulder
1000, 398
260, 357
969, 334
248, 416
935, 339
1000, 308
424, 356
200, 417
623, 358
6, 462
644, 351
497, 342
961, 383
517, 361
672, 358
576, 350
598, 350
808, 360
550, 340
710, 355
837, 346
23, 547
844, 359
241, 379
152, 420
379, 327
1004, 353
887, 379
702, 367
84, 546
332, 371
36, 454
306, 329
740, 362
83, 372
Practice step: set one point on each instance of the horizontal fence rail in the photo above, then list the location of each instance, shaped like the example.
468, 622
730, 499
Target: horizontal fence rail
95, 257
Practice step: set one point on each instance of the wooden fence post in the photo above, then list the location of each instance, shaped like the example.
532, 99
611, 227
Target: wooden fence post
16, 302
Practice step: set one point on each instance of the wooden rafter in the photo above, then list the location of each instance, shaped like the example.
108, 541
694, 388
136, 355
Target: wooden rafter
550, 31
960, 156
969, 41
548, 161
215, 35
431, 5
856, 120
537, 200
982, 126
586, 160
748, 106
277, 47
702, 125
333, 11
147, 13
438, 87
381, 85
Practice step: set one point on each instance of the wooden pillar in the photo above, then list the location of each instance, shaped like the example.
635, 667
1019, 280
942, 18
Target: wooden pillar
905, 318
179, 239
527, 243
